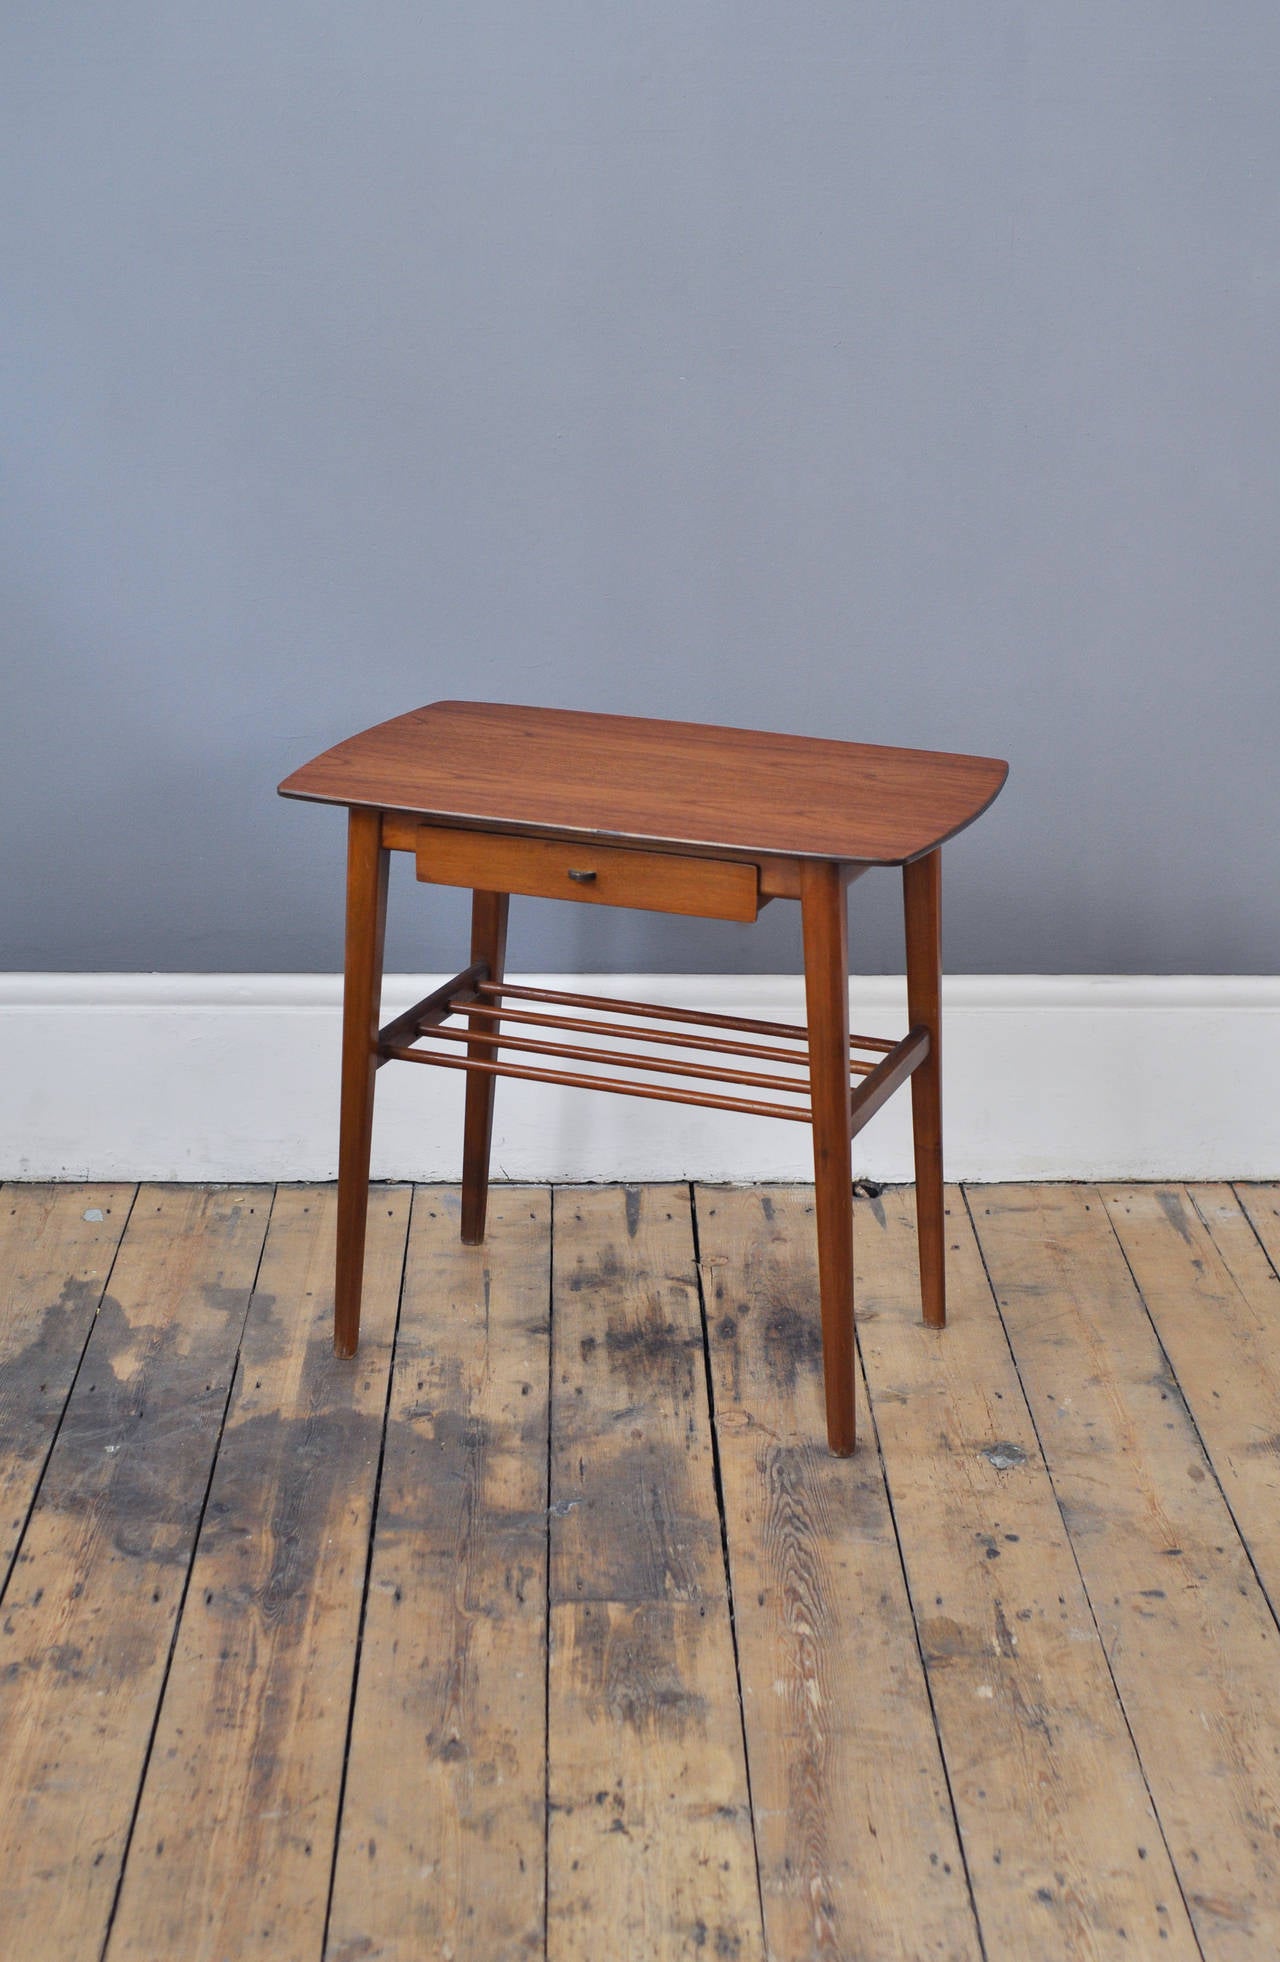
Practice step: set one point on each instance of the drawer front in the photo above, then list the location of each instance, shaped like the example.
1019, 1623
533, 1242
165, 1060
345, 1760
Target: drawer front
602, 875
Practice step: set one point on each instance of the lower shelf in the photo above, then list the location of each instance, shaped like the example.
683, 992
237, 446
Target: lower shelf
877, 1067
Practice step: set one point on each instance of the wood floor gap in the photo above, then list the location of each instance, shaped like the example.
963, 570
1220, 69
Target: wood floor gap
780, 1681
38, 1481
364, 1601
718, 1478
546, 1591
1102, 1646
924, 1666
1273, 1605
1238, 1188
186, 1582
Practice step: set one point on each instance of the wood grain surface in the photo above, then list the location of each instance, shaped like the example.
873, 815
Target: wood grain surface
233, 1842
598, 875
99, 1580
549, 1626
1064, 1849
852, 1814
633, 780
649, 1827
1214, 1300
57, 1244
441, 1852
1188, 1633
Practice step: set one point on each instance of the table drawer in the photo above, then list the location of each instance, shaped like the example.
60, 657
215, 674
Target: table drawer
602, 875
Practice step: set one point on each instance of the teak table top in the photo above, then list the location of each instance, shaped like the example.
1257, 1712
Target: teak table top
635, 781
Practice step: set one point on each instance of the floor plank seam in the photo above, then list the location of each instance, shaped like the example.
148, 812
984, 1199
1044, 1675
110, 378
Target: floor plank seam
232, 1374
1165, 1357
1233, 1186
368, 1575
135, 1732
722, 1515
1084, 1586
546, 1592
924, 1667
54, 1435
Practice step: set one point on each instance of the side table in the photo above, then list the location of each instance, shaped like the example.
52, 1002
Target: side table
675, 817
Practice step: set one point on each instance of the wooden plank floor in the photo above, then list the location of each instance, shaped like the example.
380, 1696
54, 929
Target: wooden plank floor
549, 1628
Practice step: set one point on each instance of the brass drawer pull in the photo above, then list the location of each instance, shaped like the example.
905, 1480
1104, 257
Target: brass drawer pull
583, 878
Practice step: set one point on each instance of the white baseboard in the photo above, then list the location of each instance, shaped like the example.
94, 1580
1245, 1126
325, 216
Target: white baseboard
164, 1076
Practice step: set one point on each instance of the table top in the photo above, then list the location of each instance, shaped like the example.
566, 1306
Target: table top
634, 781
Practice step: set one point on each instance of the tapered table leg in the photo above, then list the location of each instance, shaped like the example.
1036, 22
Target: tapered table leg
488, 944
826, 979
367, 865
922, 895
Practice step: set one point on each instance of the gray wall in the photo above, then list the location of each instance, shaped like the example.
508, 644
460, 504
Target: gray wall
899, 371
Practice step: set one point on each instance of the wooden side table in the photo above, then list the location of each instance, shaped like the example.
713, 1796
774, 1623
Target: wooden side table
676, 817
